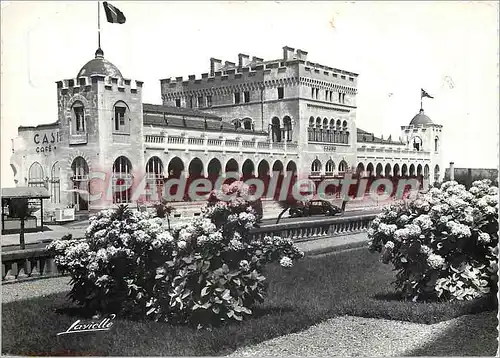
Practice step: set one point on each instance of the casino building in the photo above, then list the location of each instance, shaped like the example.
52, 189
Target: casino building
255, 117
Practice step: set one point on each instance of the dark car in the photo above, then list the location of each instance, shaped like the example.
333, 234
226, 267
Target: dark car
315, 207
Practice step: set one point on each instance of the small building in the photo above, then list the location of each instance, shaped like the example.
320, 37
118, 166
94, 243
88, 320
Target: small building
34, 197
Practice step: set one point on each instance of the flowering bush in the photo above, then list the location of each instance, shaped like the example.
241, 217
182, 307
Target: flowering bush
444, 244
208, 271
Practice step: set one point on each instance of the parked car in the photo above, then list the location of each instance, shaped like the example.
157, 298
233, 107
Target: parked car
315, 207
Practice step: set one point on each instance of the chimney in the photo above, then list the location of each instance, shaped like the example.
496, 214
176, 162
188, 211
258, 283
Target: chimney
229, 64
302, 55
257, 59
288, 53
452, 171
215, 65
243, 60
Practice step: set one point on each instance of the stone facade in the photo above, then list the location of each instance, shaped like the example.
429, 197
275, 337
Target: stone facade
253, 116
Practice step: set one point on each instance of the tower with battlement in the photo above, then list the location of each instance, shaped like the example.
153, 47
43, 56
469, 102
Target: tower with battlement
100, 120
295, 100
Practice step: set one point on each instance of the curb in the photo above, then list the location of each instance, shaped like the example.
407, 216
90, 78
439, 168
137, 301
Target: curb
337, 248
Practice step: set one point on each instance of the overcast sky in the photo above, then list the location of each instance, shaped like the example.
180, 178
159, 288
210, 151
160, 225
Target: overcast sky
448, 48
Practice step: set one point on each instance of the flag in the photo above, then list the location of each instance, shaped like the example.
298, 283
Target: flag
424, 94
113, 15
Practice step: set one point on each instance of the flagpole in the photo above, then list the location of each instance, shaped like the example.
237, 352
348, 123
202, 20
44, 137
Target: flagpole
99, 24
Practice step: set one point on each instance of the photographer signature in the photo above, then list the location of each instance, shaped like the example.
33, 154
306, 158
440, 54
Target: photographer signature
78, 326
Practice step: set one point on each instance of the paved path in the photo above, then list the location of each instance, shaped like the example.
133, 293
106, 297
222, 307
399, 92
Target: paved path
349, 336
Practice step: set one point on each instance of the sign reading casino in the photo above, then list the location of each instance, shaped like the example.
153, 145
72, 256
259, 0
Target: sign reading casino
46, 141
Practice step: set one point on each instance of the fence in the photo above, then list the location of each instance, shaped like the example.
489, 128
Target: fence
37, 263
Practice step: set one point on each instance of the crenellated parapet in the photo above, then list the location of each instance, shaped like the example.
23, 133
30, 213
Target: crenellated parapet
253, 73
85, 84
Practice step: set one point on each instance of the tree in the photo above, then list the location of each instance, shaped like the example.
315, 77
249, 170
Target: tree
163, 210
19, 208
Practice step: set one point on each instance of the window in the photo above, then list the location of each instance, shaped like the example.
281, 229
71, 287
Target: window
178, 102
200, 102
342, 167
246, 96
436, 144
312, 92
237, 98
121, 180
35, 175
191, 102
417, 143
247, 124
55, 184
79, 118
281, 92
343, 97
119, 117
209, 101
317, 93
287, 125
340, 97
316, 166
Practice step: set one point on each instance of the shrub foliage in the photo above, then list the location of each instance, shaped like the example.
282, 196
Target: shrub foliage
206, 272
443, 244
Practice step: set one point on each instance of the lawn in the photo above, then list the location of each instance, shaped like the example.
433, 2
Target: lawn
315, 289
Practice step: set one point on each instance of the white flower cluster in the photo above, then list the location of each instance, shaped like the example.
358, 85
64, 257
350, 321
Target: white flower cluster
286, 262
435, 261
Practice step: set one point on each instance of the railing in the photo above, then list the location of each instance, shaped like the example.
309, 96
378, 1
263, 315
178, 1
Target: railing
195, 141
317, 229
216, 142
175, 140
78, 138
155, 140
37, 262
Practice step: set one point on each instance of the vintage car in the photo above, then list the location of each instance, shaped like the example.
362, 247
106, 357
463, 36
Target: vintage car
315, 207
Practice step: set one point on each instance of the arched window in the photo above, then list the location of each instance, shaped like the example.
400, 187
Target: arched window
35, 175
55, 183
80, 180
276, 130
121, 120
417, 143
287, 125
248, 124
436, 144
122, 180
330, 167
316, 167
78, 124
311, 130
342, 167
154, 179
319, 130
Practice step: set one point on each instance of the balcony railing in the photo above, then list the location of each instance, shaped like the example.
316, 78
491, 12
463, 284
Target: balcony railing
78, 138
181, 142
38, 263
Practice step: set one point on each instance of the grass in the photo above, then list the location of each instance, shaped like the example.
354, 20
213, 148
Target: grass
315, 289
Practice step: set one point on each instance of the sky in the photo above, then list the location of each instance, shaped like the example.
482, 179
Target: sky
448, 48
